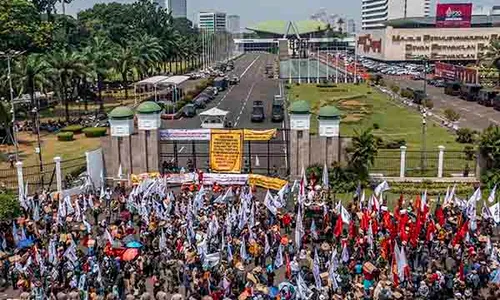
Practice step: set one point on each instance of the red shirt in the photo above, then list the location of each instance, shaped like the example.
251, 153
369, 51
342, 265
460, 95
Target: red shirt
287, 219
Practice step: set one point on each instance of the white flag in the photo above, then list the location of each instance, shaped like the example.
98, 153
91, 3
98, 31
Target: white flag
228, 195
108, 236
281, 194
492, 195
345, 253
317, 278
257, 161
298, 230
120, 172
325, 178
314, 233
278, 262
243, 250
495, 212
267, 248
384, 186
269, 203
229, 253
346, 217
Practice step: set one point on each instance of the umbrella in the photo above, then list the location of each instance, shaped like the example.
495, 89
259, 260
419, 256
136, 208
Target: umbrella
273, 291
26, 243
134, 244
130, 254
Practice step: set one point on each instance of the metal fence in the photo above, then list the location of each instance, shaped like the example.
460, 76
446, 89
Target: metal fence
423, 163
39, 178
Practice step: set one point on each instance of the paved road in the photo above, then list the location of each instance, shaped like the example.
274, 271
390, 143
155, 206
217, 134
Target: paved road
254, 84
473, 115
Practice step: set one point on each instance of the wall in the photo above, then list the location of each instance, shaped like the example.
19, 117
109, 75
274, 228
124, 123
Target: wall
400, 44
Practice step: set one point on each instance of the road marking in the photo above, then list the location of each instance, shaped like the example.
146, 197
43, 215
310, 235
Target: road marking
284, 140
225, 95
479, 115
464, 109
248, 68
244, 104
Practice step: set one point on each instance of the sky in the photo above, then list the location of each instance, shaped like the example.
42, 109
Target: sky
254, 11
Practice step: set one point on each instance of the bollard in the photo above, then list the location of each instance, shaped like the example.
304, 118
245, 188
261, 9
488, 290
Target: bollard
57, 160
440, 161
402, 167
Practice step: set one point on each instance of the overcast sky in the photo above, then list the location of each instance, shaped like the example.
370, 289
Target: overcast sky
253, 11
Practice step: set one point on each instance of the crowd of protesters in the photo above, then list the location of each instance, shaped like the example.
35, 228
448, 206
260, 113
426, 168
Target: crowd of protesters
239, 242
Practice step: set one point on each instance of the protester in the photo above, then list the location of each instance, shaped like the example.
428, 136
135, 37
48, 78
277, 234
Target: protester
235, 242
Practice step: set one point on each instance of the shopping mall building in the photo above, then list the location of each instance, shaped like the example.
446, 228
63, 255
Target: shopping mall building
412, 39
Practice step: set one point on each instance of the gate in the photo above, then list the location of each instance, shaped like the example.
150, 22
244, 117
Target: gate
259, 157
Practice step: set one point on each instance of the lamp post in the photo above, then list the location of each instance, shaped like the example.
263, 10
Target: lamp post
423, 154
9, 55
38, 150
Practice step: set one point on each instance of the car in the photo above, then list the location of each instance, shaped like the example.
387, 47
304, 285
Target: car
201, 102
258, 114
234, 80
277, 110
189, 110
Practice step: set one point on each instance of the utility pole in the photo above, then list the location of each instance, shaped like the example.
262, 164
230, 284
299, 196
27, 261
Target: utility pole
38, 150
423, 154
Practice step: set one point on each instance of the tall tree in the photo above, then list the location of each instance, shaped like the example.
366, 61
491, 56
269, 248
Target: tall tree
66, 69
100, 55
492, 56
362, 153
124, 61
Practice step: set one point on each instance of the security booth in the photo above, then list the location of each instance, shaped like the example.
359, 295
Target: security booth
148, 116
121, 121
148, 123
329, 121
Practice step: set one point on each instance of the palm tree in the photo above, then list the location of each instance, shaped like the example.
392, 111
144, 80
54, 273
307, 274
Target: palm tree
340, 22
99, 55
489, 147
148, 53
67, 69
124, 61
362, 153
492, 56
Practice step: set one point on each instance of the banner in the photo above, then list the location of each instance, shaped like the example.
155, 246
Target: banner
266, 182
453, 15
225, 179
185, 134
138, 178
259, 135
226, 150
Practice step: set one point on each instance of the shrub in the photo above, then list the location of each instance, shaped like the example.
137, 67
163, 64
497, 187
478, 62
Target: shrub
406, 93
428, 103
376, 126
326, 85
65, 136
466, 136
395, 144
395, 88
75, 129
95, 132
469, 152
451, 115
9, 207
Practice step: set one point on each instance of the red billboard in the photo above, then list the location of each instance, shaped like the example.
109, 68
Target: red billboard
453, 15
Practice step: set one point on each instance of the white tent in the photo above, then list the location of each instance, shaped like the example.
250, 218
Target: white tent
214, 118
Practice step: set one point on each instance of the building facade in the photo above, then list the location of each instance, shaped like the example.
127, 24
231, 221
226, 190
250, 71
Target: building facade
375, 12
212, 21
233, 24
178, 8
351, 26
413, 39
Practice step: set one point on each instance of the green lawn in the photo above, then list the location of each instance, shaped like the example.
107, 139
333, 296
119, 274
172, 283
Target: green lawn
369, 107
362, 106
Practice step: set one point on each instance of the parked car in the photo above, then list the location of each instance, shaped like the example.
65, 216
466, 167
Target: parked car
258, 111
200, 102
220, 83
487, 97
189, 110
234, 80
470, 91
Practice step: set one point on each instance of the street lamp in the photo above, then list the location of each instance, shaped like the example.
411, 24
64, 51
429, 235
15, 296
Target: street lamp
38, 150
9, 55
423, 154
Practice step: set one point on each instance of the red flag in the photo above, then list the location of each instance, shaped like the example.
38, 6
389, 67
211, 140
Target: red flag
461, 273
352, 229
374, 226
439, 215
288, 272
417, 204
337, 231
365, 221
461, 233
431, 228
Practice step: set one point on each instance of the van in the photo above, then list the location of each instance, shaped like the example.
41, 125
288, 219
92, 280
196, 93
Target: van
470, 91
487, 97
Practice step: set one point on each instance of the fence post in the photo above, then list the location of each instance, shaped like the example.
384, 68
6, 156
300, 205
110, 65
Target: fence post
20, 178
57, 160
440, 161
402, 166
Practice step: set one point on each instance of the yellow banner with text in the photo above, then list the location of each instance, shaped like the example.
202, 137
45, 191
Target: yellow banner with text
266, 182
259, 135
226, 150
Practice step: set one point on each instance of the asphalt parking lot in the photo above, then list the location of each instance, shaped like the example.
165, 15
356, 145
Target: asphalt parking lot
473, 115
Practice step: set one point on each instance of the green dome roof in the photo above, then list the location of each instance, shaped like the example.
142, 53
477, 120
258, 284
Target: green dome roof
148, 107
300, 107
121, 112
328, 112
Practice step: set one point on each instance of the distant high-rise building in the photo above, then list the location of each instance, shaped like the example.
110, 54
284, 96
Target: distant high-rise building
233, 24
212, 21
178, 8
375, 12
351, 26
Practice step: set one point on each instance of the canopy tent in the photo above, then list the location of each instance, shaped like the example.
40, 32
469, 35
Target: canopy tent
214, 118
174, 80
152, 80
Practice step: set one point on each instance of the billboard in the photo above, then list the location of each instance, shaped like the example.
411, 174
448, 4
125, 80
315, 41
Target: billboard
453, 15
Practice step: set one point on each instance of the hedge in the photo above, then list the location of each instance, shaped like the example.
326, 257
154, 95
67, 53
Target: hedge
76, 129
65, 136
9, 207
91, 132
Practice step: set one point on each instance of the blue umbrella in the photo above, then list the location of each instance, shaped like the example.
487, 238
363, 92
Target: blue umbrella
26, 243
274, 291
134, 244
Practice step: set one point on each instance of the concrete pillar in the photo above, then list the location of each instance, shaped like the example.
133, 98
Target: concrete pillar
440, 161
57, 160
402, 167
20, 178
